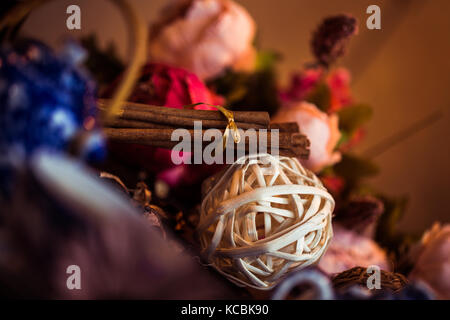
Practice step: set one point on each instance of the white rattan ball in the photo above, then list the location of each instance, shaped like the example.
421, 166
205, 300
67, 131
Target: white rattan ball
264, 217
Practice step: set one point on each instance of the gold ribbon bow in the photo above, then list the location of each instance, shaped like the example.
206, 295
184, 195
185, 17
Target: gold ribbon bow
231, 124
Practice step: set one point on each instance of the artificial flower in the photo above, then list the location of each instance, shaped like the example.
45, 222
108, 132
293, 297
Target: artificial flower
320, 128
433, 260
334, 183
164, 85
301, 85
203, 36
348, 249
338, 82
172, 87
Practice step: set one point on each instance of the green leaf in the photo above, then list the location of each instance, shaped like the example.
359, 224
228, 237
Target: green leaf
320, 96
238, 93
266, 60
394, 209
343, 139
389, 236
257, 91
352, 168
352, 117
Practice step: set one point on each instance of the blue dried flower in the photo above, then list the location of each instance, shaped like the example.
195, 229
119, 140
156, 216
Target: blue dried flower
45, 101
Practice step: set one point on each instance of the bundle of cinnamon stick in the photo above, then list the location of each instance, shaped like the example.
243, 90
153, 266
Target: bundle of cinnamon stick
152, 125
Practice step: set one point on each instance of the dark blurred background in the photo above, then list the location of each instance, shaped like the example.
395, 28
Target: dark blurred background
402, 70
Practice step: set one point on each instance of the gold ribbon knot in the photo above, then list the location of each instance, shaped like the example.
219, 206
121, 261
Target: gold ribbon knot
231, 124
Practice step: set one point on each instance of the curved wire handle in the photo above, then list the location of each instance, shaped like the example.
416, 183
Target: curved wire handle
138, 35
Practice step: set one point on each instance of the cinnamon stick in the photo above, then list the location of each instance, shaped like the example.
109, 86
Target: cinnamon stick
183, 122
294, 143
124, 123
170, 123
186, 117
285, 126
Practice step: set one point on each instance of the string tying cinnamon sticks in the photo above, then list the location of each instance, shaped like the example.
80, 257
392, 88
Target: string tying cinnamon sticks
230, 127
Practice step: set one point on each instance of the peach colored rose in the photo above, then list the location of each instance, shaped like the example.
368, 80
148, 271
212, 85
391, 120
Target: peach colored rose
433, 260
204, 36
246, 61
348, 249
322, 131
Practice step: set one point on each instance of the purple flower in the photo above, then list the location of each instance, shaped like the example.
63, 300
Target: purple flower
330, 39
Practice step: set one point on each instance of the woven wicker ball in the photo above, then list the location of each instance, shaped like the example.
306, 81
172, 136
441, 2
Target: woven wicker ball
264, 217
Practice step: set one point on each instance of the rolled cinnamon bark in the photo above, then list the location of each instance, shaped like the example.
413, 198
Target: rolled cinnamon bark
285, 126
124, 123
293, 143
186, 117
153, 125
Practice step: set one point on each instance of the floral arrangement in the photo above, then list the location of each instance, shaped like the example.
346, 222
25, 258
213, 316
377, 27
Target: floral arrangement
203, 53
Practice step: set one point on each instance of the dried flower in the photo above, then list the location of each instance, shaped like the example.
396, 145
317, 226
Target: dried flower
360, 214
330, 39
46, 101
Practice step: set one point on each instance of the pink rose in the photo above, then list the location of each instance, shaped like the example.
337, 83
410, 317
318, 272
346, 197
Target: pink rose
203, 36
433, 260
348, 249
321, 129
162, 85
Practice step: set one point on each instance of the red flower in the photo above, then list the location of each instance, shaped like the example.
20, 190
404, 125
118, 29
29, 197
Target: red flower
333, 183
163, 85
339, 83
301, 84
